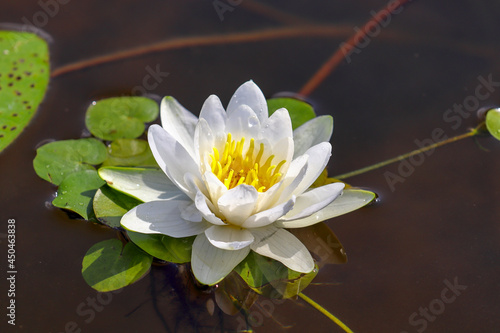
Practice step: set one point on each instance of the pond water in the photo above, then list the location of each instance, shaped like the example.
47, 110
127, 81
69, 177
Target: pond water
432, 240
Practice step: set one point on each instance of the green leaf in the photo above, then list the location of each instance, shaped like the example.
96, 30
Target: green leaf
24, 76
129, 152
120, 117
493, 122
109, 266
176, 250
77, 191
300, 112
56, 160
111, 205
271, 278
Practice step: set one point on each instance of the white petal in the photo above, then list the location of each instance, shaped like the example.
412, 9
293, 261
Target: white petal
351, 199
202, 205
311, 133
278, 126
293, 178
162, 217
238, 203
211, 264
228, 237
243, 123
214, 114
145, 184
172, 158
178, 122
204, 142
283, 150
268, 216
312, 201
284, 247
249, 94
191, 213
215, 187
318, 157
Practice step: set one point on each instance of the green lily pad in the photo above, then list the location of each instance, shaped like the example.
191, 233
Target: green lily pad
300, 112
111, 205
56, 160
109, 266
24, 76
493, 122
176, 250
271, 278
129, 152
120, 117
77, 191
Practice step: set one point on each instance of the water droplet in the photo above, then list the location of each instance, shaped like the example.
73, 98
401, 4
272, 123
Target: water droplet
81, 203
253, 121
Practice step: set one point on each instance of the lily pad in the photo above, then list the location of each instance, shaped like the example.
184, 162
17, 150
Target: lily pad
271, 278
24, 76
56, 160
493, 122
176, 250
77, 191
109, 266
320, 240
300, 112
111, 205
129, 152
120, 117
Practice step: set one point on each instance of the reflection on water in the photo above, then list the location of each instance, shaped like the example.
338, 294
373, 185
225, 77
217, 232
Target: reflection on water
435, 231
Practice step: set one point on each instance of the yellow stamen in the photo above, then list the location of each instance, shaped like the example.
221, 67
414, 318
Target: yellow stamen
238, 165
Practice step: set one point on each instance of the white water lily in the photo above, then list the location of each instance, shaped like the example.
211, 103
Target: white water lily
236, 179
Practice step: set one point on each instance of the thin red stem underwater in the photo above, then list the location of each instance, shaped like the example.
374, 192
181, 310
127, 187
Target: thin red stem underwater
339, 55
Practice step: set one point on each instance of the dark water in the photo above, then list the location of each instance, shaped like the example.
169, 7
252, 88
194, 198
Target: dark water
440, 224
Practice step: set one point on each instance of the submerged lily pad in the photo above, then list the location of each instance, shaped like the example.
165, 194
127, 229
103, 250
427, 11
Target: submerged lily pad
24, 76
493, 122
130, 152
120, 117
110, 206
320, 240
56, 160
176, 250
271, 278
77, 191
109, 265
300, 112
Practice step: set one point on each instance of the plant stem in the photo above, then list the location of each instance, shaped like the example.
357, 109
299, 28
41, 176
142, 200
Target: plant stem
471, 133
325, 312
184, 42
346, 48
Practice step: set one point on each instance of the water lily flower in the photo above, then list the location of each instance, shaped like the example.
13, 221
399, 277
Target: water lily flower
236, 179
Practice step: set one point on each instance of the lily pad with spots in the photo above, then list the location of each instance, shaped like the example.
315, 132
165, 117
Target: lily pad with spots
24, 76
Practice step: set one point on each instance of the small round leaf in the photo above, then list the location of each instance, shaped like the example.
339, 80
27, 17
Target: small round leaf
493, 122
120, 117
109, 266
77, 191
56, 160
300, 112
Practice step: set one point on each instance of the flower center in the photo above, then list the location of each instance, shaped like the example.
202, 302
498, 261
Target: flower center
233, 167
